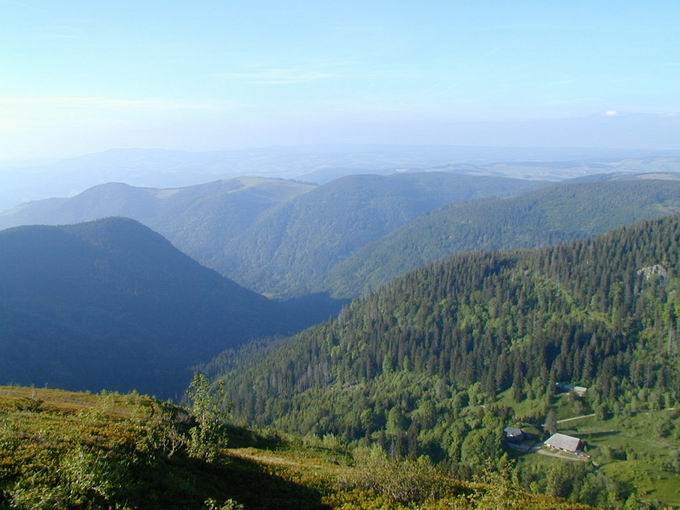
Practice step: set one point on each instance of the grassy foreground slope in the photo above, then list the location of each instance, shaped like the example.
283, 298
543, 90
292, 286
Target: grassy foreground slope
65, 450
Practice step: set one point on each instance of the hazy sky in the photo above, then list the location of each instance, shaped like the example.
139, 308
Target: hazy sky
79, 76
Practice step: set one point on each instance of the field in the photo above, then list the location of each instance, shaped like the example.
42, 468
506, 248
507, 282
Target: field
641, 449
637, 450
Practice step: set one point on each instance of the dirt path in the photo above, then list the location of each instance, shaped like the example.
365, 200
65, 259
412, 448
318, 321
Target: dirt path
566, 420
318, 467
263, 459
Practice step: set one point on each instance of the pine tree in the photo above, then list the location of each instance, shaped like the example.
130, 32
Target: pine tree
550, 425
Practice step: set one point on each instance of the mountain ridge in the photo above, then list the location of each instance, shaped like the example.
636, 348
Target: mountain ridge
276, 236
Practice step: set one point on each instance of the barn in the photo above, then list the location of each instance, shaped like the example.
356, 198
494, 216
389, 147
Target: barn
564, 443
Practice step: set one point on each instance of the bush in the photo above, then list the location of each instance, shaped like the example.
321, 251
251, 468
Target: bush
31, 405
83, 478
406, 481
230, 504
608, 454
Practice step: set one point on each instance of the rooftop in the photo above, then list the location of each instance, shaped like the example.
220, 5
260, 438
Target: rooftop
513, 432
564, 442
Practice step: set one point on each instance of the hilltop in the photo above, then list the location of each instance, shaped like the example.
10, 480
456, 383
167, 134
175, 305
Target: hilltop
112, 304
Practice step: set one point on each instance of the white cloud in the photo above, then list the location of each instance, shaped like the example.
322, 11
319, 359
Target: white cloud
611, 113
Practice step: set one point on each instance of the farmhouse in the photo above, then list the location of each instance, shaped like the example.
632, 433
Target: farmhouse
564, 443
513, 435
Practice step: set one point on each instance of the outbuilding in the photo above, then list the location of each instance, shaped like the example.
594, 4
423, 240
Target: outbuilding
580, 390
514, 435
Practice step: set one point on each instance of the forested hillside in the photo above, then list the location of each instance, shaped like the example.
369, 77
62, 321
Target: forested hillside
111, 304
292, 248
560, 213
418, 366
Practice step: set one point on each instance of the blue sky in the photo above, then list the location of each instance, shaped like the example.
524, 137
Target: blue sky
79, 76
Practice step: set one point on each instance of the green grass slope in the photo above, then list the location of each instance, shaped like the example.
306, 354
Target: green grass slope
639, 446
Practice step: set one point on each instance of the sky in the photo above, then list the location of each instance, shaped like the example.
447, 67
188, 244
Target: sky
84, 76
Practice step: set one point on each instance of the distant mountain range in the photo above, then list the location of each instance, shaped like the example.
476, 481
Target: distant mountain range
111, 304
315, 163
203, 220
287, 238
279, 237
